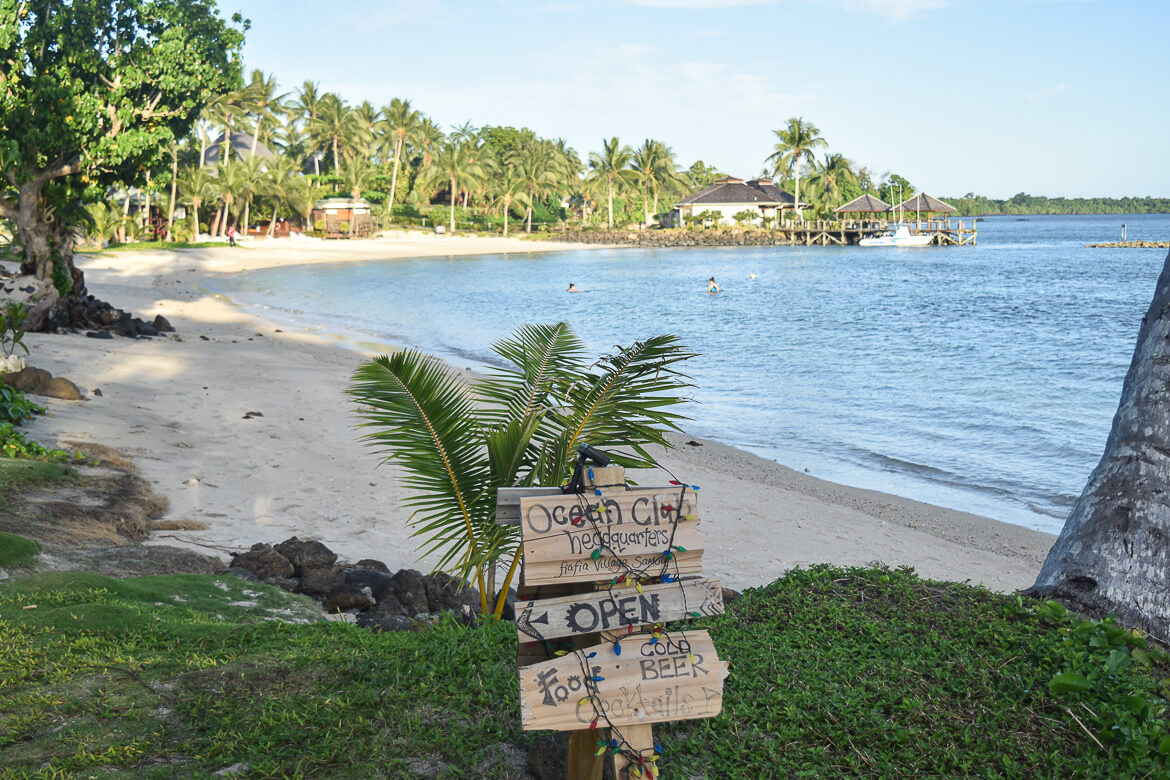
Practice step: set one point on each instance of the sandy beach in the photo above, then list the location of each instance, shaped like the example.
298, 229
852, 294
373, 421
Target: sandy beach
296, 466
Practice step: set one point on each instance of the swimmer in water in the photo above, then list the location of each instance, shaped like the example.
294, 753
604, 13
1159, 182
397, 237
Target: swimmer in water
573, 287
712, 288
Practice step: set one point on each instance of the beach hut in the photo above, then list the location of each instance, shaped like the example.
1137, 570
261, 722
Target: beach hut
866, 204
923, 203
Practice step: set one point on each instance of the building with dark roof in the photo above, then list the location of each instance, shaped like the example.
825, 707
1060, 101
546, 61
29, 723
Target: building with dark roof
729, 196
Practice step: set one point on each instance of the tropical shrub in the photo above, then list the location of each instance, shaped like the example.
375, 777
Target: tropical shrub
15, 407
460, 443
12, 320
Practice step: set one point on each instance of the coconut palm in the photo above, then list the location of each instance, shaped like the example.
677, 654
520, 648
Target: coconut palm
458, 444
832, 177
196, 185
306, 109
798, 141
533, 164
457, 164
612, 166
225, 111
356, 174
263, 104
232, 179
302, 194
278, 178
335, 126
508, 189
401, 123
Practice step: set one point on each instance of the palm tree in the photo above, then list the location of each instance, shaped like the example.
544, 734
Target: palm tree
366, 119
457, 163
278, 178
509, 188
336, 124
832, 176
611, 165
458, 444
230, 180
306, 109
402, 123
196, 185
251, 177
224, 111
302, 194
797, 143
533, 164
655, 169
263, 104
356, 175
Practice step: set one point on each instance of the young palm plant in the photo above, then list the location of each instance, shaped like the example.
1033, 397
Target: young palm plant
459, 443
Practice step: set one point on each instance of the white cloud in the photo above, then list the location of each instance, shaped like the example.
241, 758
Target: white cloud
898, 10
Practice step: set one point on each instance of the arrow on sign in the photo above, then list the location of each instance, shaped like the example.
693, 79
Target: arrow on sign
525, 621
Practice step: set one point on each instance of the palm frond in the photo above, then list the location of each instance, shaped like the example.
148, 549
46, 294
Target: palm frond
540, 354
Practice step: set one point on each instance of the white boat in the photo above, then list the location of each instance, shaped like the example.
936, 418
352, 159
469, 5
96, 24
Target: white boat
898, 237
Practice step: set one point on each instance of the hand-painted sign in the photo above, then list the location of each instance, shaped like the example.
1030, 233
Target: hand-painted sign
617, 609
653, 679
587, 538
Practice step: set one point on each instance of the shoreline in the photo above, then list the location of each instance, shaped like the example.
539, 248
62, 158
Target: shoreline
178, 409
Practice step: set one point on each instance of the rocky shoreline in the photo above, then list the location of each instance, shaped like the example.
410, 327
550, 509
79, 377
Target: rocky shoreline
1131, 245
676, 237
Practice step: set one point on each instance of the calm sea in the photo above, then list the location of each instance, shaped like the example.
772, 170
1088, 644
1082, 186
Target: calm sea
980, 378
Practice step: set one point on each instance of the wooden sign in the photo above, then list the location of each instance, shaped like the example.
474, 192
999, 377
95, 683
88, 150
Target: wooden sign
677, 677
619, 608
589, 538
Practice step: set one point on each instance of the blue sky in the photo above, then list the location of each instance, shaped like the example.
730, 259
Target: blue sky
1055, 97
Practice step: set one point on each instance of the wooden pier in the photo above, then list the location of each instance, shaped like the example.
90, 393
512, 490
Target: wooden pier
822, 232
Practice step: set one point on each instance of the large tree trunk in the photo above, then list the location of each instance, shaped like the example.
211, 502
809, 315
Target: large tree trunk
394, 180
174, 186
611, 204
507, 208
1113, 554
452, 204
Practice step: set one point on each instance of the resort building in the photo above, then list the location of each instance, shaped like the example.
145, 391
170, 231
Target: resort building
243, 145
333, 216
730, 196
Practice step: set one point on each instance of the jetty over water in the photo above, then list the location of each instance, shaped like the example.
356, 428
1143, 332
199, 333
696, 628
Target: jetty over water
825, 232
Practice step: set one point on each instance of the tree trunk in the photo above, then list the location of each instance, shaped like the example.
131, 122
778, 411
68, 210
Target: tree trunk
394, 179
507, 208
213, 228
272, 222
125, 217
174, 188
528, 213
247, 216
335, 166
452, 204
611, 203
195, 228
1113, 554
796, 197
144, 214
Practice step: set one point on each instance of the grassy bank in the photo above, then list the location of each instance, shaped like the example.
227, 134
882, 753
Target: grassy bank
834, 672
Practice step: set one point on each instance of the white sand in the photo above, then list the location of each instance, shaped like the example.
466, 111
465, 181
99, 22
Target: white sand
178, 408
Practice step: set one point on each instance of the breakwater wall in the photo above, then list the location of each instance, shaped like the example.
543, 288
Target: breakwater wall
1131, 245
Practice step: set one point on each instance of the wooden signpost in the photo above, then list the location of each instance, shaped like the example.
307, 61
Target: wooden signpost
602, 571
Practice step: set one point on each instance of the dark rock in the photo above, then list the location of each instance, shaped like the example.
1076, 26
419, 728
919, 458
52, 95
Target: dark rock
60, 387
264, 562
346, 597
284, 583
381, 585
445, 592
370, 563
99, 334
306, 555
546, 757
162, 324
97, 391
243, 574
144, 328
318, 582
411, 589
729, 596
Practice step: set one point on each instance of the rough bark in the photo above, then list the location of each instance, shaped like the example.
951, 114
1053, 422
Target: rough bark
1113, 554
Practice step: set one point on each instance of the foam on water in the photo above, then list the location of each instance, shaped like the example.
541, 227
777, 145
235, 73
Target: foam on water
981, 378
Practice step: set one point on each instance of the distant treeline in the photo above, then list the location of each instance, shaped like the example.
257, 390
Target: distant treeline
1023, 203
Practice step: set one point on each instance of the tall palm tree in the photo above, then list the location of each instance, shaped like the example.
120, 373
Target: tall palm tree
196, 185
612, 165
302, 194
278, 177
402, 122
356, 174
508, 189
366, 120
263, 104
833, 175
457, 164
225, 111
533, 164
306, 109
251, 179
336, 124
229, 180
798, 141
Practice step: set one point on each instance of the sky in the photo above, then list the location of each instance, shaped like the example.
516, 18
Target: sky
1050, 97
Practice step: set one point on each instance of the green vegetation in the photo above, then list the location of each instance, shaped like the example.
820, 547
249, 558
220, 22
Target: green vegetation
1023, 203
17, 474
458, 444
858, 672
15, 550
147, 246
12, 320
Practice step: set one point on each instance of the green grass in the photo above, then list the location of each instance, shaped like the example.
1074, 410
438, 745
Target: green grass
16, 550
146, 246
22, 473
859, 672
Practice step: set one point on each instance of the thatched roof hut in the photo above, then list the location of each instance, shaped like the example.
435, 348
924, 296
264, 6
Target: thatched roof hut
866, 204
925, 203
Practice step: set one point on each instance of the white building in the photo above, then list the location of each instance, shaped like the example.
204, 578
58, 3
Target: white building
729, 196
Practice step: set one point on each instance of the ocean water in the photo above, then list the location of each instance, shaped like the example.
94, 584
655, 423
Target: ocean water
980, 378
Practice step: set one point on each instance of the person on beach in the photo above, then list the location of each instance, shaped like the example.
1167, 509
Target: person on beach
231, 234
712, 288
573, 287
